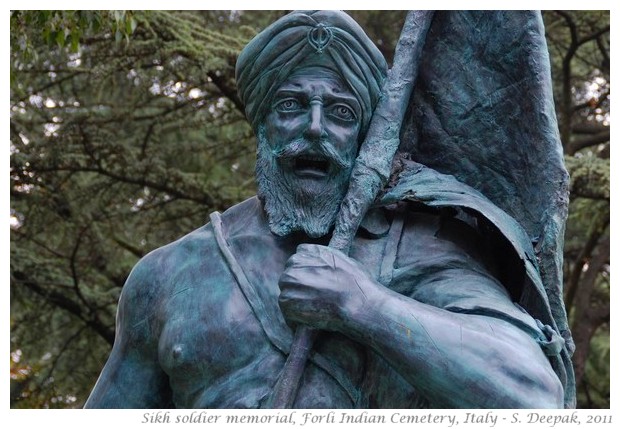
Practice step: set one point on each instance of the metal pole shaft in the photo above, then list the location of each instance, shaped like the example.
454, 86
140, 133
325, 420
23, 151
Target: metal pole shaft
369, 176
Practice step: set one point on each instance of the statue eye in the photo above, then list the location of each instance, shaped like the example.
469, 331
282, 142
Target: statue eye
288, 105
343, 112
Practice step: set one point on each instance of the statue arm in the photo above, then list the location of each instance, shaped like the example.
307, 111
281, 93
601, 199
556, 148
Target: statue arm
132, 377
454, 359
453, 336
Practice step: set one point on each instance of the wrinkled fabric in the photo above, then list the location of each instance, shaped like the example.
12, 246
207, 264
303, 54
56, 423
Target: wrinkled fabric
419, 184
483, 112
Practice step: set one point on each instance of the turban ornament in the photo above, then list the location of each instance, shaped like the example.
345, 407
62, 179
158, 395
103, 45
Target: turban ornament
319, 37
329, 39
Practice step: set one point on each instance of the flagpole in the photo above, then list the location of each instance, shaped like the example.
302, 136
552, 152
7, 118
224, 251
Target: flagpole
370, 174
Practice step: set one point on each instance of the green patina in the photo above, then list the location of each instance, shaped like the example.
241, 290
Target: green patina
450, 295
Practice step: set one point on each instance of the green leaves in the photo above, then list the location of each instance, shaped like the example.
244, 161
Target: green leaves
66, 29
117, 148
590, 176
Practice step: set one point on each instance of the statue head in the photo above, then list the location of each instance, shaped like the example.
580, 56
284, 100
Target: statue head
309, 83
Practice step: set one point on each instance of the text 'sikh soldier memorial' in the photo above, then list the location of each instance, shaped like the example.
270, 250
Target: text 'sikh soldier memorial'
405, 246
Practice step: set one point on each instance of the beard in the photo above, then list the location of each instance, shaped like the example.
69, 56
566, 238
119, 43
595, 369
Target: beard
294, 203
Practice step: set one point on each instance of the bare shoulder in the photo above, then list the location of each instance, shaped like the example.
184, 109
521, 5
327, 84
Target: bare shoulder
156, 272
187, 270
167, 279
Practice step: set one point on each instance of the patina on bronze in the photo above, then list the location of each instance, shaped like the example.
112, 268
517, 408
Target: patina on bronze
449, 295
369, 176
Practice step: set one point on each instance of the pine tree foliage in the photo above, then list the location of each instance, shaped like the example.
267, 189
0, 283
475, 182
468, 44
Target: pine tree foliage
580, 53
117, 147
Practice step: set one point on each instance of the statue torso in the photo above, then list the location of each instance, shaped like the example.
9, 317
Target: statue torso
221, 344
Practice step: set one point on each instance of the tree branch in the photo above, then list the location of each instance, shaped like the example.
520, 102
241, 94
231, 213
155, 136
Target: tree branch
73, 267
589, 128
587, 316
62, 350
38, 243
566, 100
143, 182
229, 92
131, 249
580, 261
594, 36
605, 53
589, 104
48, 86
66, 304
585, 142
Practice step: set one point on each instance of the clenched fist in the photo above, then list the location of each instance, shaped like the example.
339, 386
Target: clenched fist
323, 288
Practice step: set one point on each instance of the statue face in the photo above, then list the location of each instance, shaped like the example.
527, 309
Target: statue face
314, 104
306, 149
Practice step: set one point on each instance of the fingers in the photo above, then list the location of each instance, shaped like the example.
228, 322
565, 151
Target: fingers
319, 250
310, 260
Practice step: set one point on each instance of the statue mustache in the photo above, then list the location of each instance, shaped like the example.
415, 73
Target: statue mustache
302, 146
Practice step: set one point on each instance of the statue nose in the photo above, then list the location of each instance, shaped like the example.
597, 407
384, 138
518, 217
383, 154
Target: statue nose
316, 128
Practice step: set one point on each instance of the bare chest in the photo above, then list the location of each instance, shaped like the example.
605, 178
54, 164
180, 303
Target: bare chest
223, 343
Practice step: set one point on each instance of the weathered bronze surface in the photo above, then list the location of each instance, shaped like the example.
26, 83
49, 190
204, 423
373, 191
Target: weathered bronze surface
450, 296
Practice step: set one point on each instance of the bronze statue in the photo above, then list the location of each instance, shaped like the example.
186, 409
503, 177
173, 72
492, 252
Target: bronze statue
449, 295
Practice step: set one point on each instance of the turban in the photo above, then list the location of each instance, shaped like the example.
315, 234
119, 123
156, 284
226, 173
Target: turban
330, 39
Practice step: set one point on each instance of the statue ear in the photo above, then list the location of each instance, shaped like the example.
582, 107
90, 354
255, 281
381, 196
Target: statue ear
483, 112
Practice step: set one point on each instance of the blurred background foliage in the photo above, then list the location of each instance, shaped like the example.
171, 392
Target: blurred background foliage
126, 132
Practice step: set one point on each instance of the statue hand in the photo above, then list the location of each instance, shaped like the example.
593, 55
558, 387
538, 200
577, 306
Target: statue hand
323, 288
